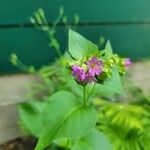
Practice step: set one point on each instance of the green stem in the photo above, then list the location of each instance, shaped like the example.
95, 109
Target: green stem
51, 38
58, 52
84, 95
91, 92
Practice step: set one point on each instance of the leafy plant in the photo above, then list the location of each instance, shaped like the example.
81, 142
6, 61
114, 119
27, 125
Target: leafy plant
72, 114
126, 125
63, 111
55, 73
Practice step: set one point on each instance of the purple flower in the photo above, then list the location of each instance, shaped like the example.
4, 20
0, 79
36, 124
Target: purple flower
78, 73
127, 62
95, 66
90, 77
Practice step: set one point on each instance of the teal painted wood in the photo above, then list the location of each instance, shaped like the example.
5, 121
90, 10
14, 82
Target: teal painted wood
125, 23
31, 45
18, 11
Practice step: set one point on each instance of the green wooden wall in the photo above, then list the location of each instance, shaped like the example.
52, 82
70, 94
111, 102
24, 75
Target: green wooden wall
126, 23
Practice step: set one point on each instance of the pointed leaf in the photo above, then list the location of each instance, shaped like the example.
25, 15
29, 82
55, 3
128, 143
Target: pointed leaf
112, 85
65, 117
31, 117
94, 140
79, 46
108, 50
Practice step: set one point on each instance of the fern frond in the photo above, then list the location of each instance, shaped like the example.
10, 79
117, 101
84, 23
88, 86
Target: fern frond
127, 126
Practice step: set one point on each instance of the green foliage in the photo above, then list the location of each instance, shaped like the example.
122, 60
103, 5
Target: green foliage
68, 118
16, 62
94, 140
111, 85
127, 126
40, 22
70, 115
80, 46
72, 111
108, 50
30, 117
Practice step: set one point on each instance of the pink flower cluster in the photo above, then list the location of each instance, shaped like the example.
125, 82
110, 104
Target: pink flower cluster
128, 62
94, 68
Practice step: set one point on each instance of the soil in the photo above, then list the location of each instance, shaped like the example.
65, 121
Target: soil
24, 143
19, 144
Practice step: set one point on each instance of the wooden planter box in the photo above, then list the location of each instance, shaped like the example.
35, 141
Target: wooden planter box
13, 90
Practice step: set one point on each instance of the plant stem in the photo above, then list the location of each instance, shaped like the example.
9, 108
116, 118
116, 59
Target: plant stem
54, 41
84, 95
58, 51
91, 92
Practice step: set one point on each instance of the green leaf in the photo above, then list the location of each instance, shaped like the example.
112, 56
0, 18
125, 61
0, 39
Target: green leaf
108, 50
80, 46
112, 85
65, 117
75, 88
31, 117
126, 125
94, 140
